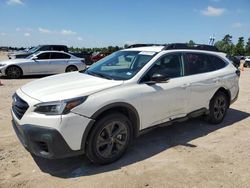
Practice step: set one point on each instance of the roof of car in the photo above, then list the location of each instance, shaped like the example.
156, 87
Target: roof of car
54, 51
147, 49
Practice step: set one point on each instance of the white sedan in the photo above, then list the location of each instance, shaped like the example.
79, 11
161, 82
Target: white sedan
43, 62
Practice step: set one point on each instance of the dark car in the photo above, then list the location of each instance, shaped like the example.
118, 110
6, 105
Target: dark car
235, 60
19, 55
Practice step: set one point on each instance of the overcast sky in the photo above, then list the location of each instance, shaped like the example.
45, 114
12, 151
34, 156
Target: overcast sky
99, 23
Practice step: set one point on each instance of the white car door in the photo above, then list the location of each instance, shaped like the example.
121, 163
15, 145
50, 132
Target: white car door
162, 102
41, 64
205, 80
58, 62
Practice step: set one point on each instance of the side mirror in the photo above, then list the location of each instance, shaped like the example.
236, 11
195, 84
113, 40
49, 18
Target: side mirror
35, 58
159, 78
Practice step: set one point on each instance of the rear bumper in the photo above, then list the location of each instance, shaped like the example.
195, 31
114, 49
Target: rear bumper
235, 99
44, 141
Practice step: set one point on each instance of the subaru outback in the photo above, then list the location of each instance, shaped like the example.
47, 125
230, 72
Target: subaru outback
100, 111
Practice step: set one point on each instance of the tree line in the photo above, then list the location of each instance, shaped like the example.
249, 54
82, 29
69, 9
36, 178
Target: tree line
227, 46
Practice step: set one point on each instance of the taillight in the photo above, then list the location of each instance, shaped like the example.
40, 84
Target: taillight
237, 72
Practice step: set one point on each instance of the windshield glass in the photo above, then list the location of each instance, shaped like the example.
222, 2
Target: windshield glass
32, 50
121, 65
32, 55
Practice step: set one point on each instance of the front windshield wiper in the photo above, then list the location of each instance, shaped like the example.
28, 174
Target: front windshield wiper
98, 74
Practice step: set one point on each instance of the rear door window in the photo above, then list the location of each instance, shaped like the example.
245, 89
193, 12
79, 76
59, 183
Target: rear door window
216, 62
59, 56
197, 63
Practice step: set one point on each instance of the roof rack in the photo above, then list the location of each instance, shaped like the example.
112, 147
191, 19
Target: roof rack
180, 46
175, 46
143, 45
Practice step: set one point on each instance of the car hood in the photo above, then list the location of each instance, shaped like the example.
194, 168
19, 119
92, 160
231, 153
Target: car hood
66, 86
15, 61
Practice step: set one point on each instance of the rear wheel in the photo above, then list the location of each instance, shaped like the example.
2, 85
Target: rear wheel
109, 139
218, 108
71, 68
14, 72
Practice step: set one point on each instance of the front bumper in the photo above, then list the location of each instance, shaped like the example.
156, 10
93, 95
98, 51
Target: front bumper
44, 141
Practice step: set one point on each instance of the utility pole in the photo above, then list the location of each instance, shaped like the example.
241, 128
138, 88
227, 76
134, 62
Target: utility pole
211, 40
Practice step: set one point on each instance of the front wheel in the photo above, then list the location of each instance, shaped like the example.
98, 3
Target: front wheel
13, 72
218, 108
109, 139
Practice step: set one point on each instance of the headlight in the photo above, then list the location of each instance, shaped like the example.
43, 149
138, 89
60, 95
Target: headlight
58, 107
1, 65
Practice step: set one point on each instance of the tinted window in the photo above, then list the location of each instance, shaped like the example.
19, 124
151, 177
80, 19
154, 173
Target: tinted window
59, 48
44, 48
217, 62
169, 66
59, 56
44, 56
196, 63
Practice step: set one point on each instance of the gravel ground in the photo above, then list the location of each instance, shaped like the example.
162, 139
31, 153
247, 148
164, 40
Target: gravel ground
189, 154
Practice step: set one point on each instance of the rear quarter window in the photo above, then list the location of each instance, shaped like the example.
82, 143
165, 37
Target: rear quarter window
217, 62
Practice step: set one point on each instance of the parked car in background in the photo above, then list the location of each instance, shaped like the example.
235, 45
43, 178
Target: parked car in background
247, 62
101, 110
99, 56
85, 55
235, 60
24, 54
48, 62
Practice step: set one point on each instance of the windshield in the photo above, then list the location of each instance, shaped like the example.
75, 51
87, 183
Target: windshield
32, 55
32, 50
121, 65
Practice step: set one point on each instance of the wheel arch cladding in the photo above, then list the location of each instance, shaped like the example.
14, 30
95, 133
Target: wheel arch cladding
13, 66
124, 108
226, 92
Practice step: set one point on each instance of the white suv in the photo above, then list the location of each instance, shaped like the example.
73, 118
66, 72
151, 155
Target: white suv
100, 111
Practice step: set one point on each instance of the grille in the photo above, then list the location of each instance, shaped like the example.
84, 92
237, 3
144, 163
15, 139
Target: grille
19, 106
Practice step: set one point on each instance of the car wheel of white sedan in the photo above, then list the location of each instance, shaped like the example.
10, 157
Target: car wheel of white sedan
71, 68
14, 72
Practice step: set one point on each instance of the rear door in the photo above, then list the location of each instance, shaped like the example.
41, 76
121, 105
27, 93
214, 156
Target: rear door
59, 62
202, 71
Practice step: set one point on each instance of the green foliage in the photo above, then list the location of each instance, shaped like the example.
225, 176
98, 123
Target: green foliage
226, 45
109, 49
191, 43
239, 47
247, 48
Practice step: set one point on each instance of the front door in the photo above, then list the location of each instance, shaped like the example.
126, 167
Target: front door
41, 65
162, 102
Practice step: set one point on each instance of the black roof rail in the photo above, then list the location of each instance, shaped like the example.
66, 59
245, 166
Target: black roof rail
181, 46
143, 45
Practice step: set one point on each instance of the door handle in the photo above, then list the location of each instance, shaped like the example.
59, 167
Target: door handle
184, 86
216, 80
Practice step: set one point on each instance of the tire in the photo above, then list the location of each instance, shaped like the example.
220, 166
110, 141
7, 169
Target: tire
109, 139
71, 68
218, 107
14, 72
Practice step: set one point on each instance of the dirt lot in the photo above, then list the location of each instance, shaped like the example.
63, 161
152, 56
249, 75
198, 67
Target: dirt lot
190, 154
